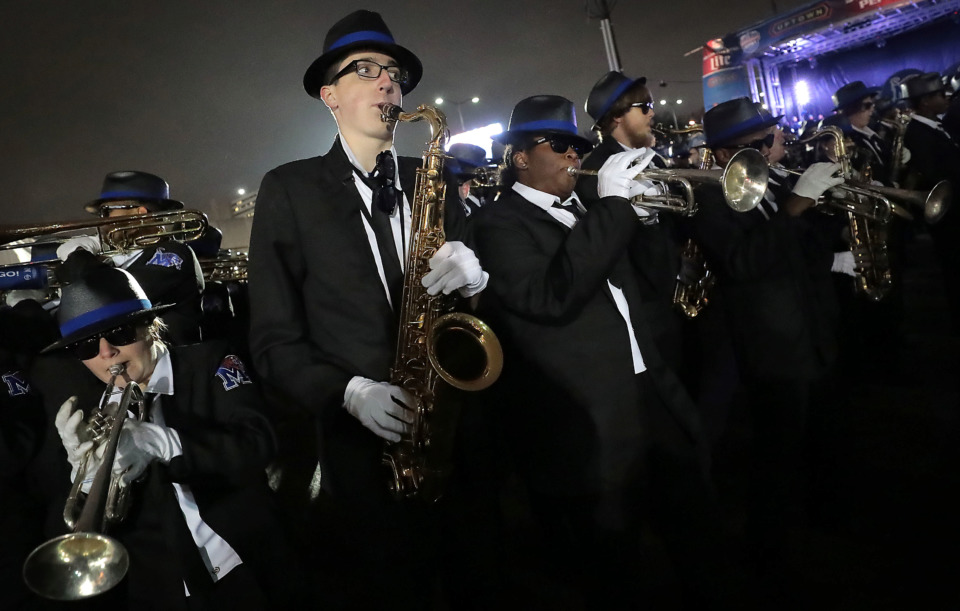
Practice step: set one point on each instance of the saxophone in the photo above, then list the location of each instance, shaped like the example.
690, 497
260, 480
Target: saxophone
436, 347
692, 296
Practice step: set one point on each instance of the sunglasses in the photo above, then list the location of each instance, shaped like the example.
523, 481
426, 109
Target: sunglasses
560, 145
766, 141
87, 348
867, 105
645, 107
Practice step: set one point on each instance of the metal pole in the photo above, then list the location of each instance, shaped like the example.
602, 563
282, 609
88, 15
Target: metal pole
610, 45
463, 128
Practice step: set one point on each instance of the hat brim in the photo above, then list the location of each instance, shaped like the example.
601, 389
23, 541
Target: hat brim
152, 205
104, 325
869, 91
745, 129
313, 78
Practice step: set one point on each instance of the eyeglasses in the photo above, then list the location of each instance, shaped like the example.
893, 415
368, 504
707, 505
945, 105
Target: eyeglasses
766, 141
370, 70
645, 107
560, 145
86, 349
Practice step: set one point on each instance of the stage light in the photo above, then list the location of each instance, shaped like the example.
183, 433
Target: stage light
801, 92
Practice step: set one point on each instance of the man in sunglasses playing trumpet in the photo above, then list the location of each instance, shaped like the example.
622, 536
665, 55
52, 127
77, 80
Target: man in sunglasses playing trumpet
600, 428
773, 267
200, 530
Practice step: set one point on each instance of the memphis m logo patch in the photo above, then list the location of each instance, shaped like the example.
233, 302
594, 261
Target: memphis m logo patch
16, 384
165, 259
232, 372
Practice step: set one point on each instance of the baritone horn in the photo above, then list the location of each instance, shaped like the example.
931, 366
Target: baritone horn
87, 562
118, 234
743, 183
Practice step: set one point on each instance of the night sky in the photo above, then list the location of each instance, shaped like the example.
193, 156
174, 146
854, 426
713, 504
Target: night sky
208, 93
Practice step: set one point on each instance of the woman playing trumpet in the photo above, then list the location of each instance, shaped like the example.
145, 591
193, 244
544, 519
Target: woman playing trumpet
200, 515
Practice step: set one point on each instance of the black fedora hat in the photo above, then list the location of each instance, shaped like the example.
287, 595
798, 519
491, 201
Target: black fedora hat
357, 31
729, 120
606, 91
466, 158
148, 190
851, 93
543, 114
103, 298
921, 84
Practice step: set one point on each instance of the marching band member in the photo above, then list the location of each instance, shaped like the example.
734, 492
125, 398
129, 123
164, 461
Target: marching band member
773, 274
327, 252
466, 159
201, 533
936, 157
599, 426
168, 271
856, 103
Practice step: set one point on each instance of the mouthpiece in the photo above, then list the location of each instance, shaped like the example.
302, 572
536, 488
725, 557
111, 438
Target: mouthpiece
389, 113
572, 171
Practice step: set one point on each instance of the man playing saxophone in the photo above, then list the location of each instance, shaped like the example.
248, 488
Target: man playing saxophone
326, 270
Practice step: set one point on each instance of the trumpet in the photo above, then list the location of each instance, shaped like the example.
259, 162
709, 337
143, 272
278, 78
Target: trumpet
87, 562
743, 183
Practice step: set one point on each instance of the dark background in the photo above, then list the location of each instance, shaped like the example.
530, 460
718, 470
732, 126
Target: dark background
208, 94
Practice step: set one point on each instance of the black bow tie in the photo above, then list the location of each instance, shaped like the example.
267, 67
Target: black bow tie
386, 195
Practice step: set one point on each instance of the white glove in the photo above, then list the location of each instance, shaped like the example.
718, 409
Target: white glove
905, 156
843, 263
817, 179
140, 444
616, 176
385, 409
90, 243
452, 267
68, 423
643, 187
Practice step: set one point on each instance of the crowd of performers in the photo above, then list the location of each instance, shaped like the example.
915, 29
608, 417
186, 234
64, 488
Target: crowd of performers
256, 474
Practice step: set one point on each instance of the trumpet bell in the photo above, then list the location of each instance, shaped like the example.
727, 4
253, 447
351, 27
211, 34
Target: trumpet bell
76, 566
938, 202
744, 180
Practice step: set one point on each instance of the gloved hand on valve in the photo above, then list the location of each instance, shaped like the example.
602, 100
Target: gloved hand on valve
454, 266
385, 409
617, 176
812, 184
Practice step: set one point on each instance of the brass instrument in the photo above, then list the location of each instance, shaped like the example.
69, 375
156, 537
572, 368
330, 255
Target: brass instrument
435, 346
488, 176
690, 297
87, 562
743, 183
229, 266
896, 156
118, 234
667, 131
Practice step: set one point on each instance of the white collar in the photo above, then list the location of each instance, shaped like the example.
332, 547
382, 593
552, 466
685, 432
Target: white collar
358, 167
161, 382
541, 199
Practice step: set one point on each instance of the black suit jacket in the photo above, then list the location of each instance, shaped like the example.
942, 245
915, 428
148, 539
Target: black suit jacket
934, 156
654, 253
569, 397
773, 279
319, 313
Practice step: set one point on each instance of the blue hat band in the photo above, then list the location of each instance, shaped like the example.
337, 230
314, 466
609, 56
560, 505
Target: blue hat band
133, 195
362, 36
613, 98
101, 314
536, 126
739, 129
